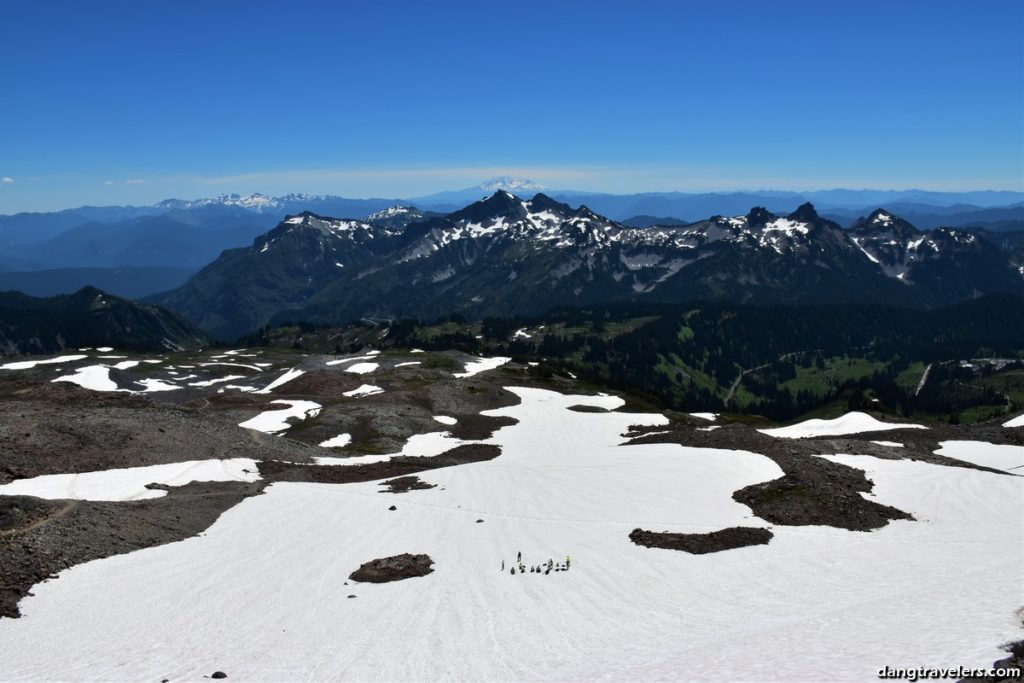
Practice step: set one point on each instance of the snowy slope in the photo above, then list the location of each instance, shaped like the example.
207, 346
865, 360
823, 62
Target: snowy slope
996, 456
1015, 422
262, 595
851, 423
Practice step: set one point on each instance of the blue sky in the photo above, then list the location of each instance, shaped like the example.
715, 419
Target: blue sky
131, 102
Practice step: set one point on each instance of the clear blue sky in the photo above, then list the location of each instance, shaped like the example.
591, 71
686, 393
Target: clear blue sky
130, 102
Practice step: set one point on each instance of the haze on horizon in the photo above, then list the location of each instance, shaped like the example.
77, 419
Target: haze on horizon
130, 103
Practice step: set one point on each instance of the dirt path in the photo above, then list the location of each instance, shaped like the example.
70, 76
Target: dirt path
739, 378
57, 514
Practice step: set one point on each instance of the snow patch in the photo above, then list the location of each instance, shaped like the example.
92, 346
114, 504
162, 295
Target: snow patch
276, 421
94, 377
477, 366
362, 368
130, 483
28, 364
363, 390
1015, 422
338, 441
216, 380
851, 423
286, 377
153, 384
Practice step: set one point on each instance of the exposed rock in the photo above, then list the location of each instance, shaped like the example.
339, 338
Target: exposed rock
699, 544
403, 484
395, 568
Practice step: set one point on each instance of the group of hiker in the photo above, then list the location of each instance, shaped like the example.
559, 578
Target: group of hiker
543, 568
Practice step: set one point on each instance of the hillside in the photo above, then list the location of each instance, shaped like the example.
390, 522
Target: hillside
88, 318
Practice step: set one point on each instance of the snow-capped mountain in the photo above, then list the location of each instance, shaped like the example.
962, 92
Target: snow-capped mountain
453, 199
953, 264
506, 255
510, 184
253, 202
282, 205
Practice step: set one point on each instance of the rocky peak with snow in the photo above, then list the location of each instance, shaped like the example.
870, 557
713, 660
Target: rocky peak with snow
253, 202
479, 259
313, 235
880, 222
501, 204
392, 212
805, 213
759, 217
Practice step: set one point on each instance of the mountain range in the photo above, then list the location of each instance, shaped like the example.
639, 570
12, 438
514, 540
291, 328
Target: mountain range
163, 244
505, 256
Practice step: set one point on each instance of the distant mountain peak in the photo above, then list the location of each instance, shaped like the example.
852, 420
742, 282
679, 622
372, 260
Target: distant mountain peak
881, 217
542, 202
882, 220
501, 203
759, 217
254, 202
392, 212
805, 213
511, 184
249, 201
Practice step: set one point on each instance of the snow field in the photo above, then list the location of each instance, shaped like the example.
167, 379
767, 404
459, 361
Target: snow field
261, 594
